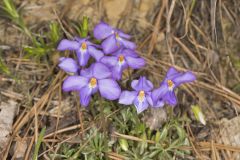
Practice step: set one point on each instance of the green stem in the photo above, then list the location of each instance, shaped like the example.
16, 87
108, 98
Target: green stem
39, 141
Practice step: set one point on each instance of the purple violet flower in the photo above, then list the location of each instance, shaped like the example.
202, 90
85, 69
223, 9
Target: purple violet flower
69, 65
165, 93
113, 38
121, 60
83, 47
140, 97
96, 77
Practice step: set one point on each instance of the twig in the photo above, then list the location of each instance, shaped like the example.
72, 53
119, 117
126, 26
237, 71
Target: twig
168, 30
156, 28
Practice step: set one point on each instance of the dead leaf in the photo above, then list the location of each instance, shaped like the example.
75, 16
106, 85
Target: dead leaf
156, 118
229, 133
20, 149
7, 113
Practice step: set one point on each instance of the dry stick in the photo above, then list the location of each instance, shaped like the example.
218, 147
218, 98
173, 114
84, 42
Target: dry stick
213, 151
81, 120
169, 30
59, 105
36, 125
187, 18
61, 25
213, 20
7, 148
58, 112
189, 53
156, 28
116, 134
68, 129
227, 95
144, 42
193, 146
29, 149
220, 146
115, 156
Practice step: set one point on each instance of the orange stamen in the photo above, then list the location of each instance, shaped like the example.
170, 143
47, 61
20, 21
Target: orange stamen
93, 82
116, 34
121, 58
84, 46
170, 83
141, 95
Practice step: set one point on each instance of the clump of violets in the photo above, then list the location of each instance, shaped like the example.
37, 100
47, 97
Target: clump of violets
95, 78
115, 54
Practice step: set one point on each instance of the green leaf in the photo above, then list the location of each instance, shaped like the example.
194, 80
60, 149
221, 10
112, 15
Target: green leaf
84, 27
157, 136
54, 33
3, 67
181, 132
39, 141
164, 133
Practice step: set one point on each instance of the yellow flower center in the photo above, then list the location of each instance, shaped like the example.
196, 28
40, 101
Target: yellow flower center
93, 82
170, 84
84, 46
141, 95
116, 34
121, 59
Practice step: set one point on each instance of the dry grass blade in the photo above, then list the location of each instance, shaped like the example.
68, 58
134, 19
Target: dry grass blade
156, 27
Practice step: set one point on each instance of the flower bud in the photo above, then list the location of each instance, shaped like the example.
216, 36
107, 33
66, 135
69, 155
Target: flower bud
198, 114
123, 144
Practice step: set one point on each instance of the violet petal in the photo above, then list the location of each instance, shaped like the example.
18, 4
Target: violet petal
157, 94
109, 89
127, 44
184, 78
123, 35
85, 96
135, 63
66, 44
83, 57
101, 71
109, 60
95, 53
127, 97
68, 65
170, 98
102, 31
74, 83
140, 106
142, 84
110, 45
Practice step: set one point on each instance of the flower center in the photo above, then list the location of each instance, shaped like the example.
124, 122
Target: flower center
121, 59
170, 84
116, 35
84, 46
92, 82
141, 95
